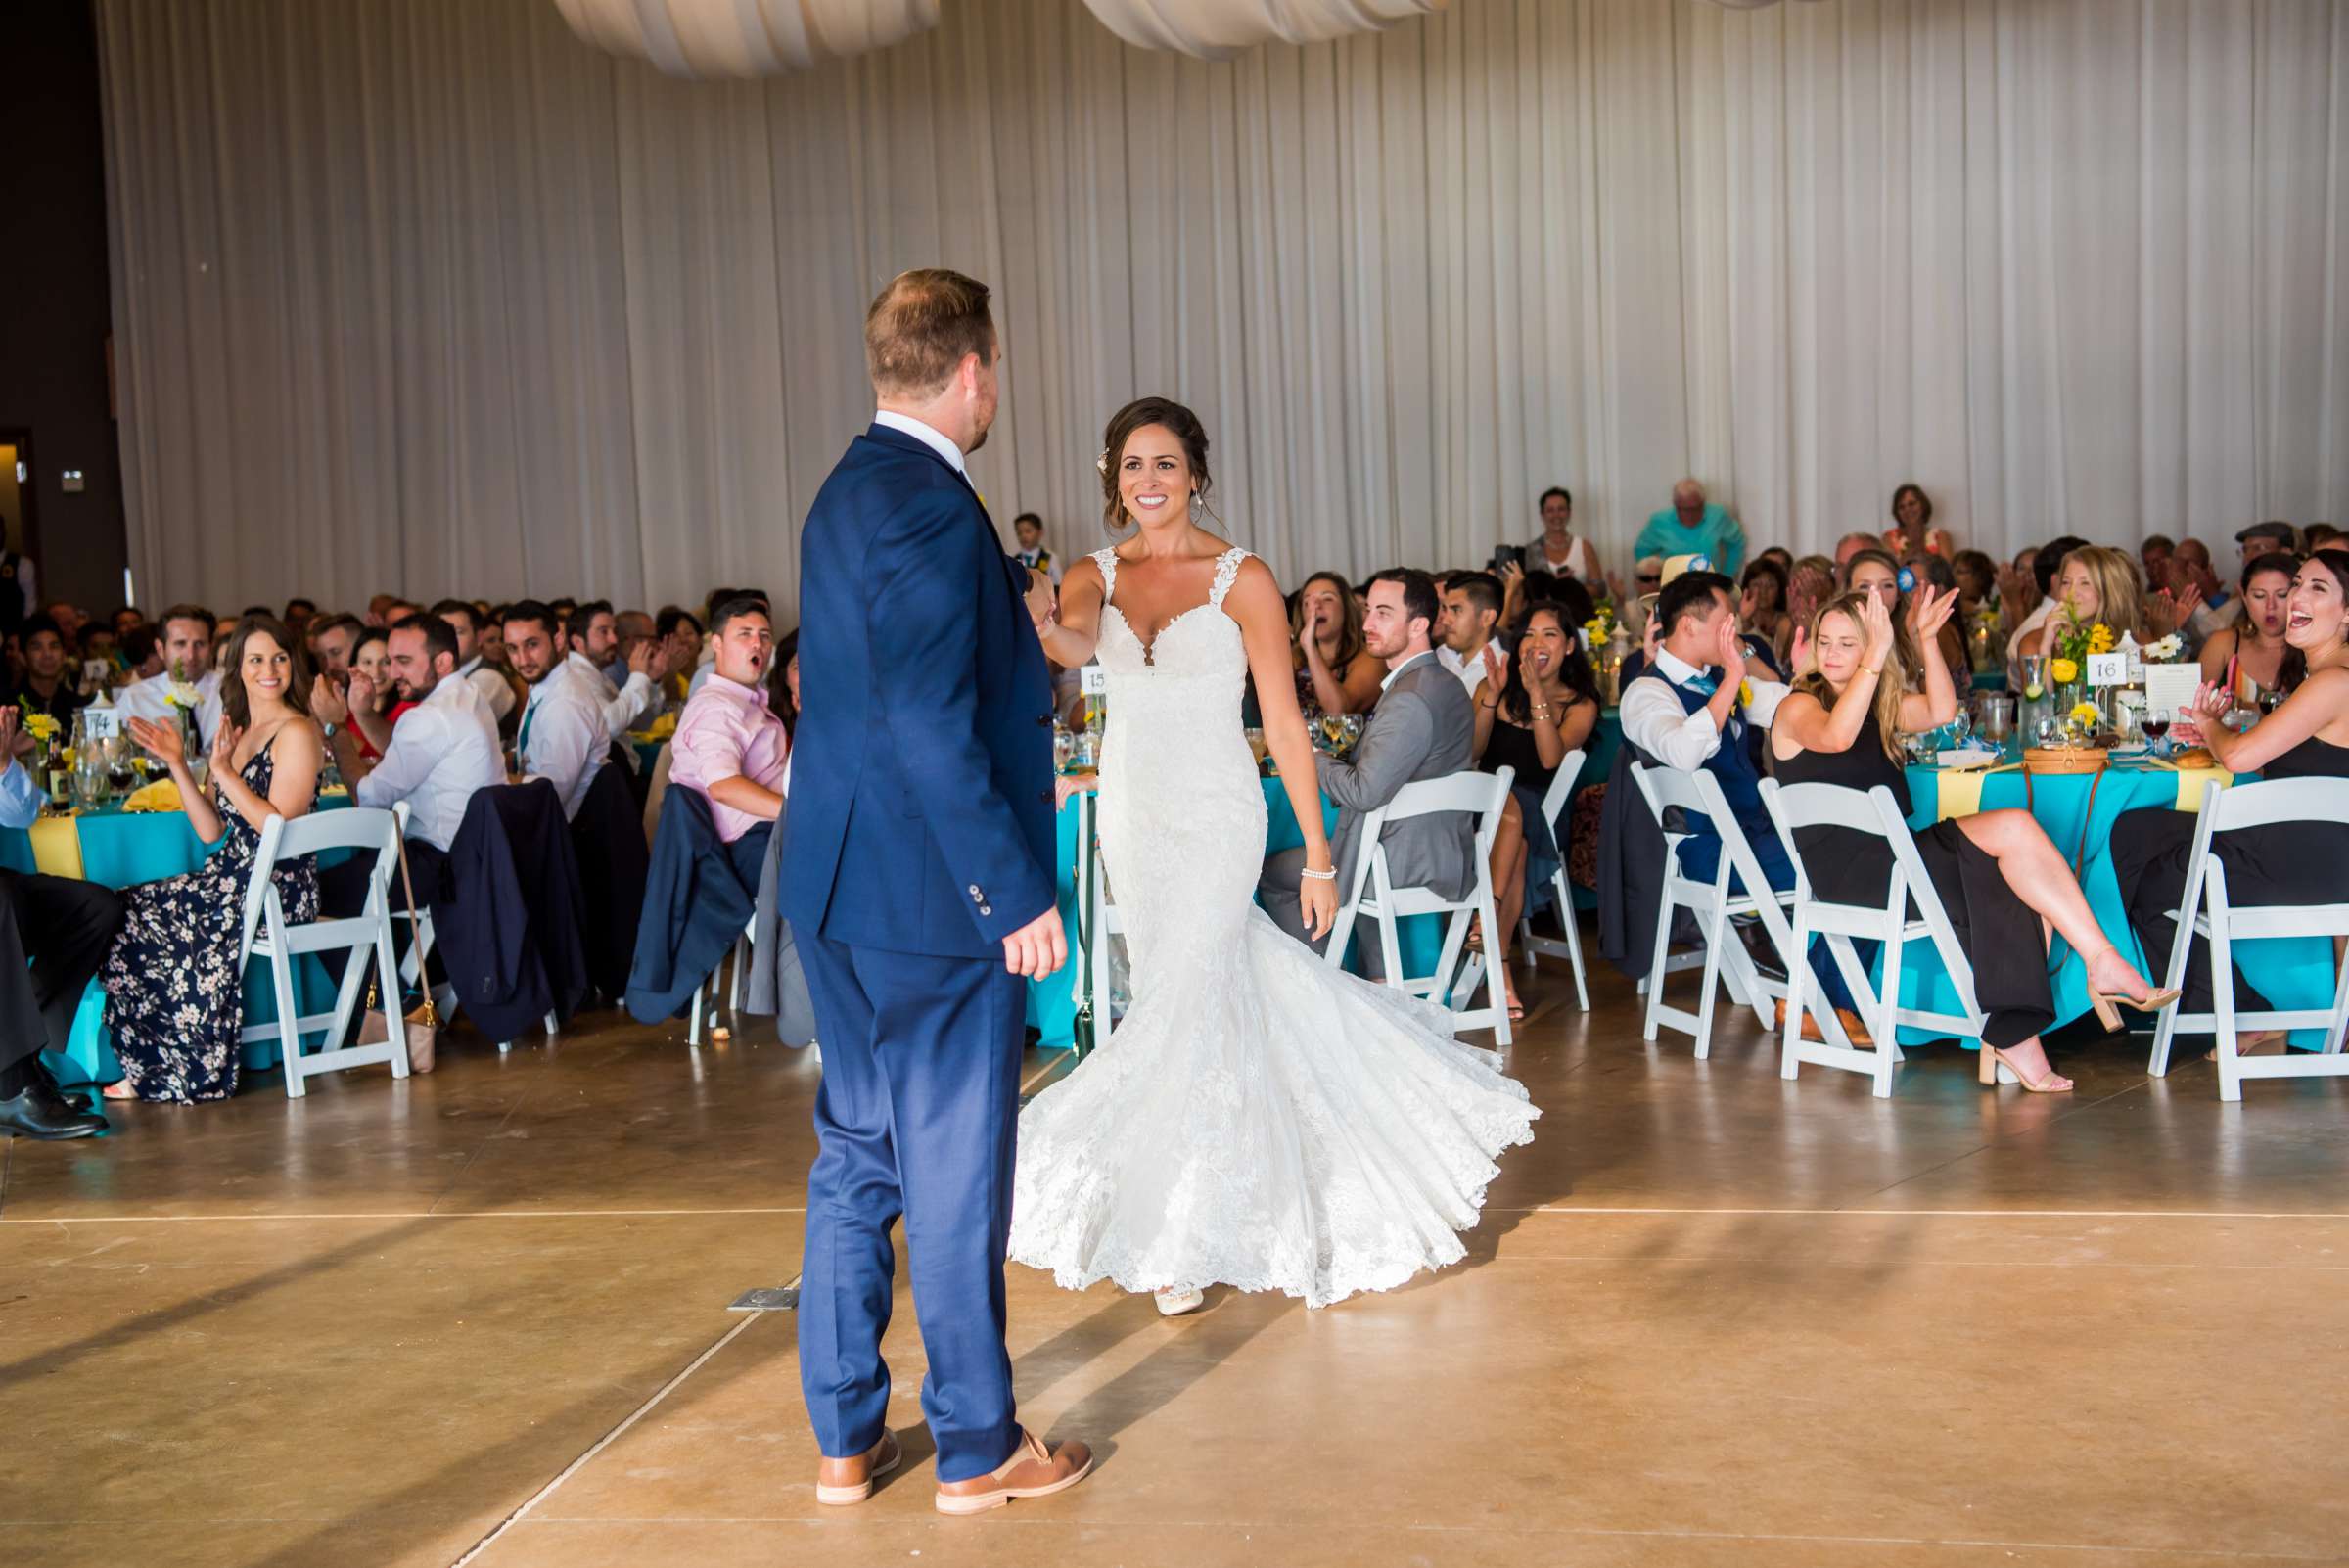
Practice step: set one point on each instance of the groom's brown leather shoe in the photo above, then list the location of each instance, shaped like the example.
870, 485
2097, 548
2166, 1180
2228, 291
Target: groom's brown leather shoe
1032, 1471
841, 1482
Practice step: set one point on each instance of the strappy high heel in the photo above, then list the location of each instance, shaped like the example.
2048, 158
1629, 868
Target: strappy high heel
1992, 1058
2103, 1003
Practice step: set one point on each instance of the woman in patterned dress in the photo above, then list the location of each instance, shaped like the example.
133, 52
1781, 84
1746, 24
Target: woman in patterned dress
175, 989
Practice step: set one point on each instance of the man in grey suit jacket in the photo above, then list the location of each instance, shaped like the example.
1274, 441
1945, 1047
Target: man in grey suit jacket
1423, 727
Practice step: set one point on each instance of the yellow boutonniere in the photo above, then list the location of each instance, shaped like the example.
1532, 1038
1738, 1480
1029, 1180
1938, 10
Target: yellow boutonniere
2063, 670
1745, 694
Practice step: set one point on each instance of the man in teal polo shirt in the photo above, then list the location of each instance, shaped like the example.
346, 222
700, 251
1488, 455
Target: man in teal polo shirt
1692, 526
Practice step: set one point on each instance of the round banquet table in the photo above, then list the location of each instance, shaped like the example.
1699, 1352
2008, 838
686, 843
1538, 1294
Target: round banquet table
1052, 1000
119, 848
2078, 812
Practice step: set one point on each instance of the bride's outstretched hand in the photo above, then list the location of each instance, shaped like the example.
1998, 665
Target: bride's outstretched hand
1040, 601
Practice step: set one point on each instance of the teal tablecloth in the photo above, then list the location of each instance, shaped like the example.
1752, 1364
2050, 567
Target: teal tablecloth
2291, 972
1052, 1002
119, 850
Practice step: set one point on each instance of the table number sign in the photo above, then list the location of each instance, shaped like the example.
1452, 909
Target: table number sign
100, 723
2108, 669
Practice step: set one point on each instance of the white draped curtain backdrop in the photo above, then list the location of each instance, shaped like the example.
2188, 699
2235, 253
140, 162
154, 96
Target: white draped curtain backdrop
431, 296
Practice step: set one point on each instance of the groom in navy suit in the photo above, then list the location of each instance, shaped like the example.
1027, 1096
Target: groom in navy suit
918, 879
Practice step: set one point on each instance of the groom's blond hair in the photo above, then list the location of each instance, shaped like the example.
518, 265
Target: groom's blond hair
919, 328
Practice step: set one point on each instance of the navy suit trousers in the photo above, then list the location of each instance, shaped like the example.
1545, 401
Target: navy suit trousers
917, 1116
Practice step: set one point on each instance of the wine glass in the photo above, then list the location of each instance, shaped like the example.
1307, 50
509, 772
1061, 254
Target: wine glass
2048, 730
2156, 725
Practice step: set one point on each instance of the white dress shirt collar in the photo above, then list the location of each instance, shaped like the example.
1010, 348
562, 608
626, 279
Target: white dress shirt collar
907, 424
1674, 668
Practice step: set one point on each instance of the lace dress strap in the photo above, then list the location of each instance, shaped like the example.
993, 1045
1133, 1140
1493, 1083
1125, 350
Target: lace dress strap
1227, 572
1107, 561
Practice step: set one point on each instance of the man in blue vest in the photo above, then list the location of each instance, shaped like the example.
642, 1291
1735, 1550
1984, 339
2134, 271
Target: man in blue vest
1698, 708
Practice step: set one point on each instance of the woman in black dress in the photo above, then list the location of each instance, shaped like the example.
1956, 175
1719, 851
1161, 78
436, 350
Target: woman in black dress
1546, 706
2002, 884
175, 989
2306, 737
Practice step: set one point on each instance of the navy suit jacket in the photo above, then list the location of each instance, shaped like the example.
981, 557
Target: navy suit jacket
921, 788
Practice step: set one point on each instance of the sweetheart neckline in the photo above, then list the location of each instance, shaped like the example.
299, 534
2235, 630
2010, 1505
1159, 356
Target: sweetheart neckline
1150, 648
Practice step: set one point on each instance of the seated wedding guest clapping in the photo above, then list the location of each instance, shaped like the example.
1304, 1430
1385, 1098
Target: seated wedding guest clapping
1546, 706
564, 738
1335, 674
174, 981
2097, 586
2306, 737
442, 751
472, 666
1423, 727
1694, 526
1697, 707
188, 679
2253, 648
47, 687
731, 744
54, 932
2002, 883
592, 636
1468, 632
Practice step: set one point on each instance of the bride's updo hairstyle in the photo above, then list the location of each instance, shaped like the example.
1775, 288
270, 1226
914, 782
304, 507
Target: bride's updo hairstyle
1136, 415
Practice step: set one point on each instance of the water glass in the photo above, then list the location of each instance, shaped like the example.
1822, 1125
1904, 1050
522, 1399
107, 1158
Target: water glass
1998, 719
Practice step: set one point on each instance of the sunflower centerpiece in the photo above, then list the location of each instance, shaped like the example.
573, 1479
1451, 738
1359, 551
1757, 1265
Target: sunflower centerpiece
2075, 644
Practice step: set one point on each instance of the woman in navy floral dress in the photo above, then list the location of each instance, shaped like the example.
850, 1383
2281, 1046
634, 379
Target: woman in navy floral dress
175, 989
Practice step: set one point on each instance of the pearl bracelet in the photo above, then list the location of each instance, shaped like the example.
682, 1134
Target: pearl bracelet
1312, 875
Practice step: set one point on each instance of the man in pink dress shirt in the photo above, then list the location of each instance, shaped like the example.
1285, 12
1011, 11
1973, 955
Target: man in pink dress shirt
730, 745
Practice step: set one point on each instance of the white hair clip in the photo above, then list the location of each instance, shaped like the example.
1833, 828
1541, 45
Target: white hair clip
1102, 462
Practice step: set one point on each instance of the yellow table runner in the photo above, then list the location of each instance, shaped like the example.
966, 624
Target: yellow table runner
1961, 794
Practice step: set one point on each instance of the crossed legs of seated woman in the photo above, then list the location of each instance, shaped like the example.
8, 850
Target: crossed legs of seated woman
2043, 881
2004, 884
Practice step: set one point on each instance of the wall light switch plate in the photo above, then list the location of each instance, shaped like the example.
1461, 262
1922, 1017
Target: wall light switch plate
73, 481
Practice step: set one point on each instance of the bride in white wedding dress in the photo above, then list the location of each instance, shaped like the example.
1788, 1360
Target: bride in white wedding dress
1257, 1119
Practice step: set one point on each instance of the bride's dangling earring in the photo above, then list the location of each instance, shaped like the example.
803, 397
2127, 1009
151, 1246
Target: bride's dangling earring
1194, 506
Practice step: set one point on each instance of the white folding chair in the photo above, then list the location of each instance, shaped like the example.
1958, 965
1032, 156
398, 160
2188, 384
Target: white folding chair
2222, 923
1876, 813
1570, 948
1483, 796
268, 933
1674, 794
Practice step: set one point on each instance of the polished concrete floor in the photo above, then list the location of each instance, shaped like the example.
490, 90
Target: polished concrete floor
1710, 1317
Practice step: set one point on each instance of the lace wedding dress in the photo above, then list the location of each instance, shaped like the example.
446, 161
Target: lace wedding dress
1257, 1119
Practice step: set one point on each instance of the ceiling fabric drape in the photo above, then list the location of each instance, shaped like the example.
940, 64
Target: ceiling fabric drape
428, 296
